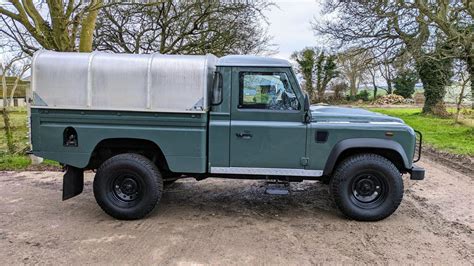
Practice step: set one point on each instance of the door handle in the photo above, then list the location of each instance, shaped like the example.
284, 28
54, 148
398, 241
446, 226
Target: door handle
243, 135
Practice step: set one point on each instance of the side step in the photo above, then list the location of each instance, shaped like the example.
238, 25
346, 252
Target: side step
277, 187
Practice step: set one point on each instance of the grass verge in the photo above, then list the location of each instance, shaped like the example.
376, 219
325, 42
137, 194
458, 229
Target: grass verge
19, 161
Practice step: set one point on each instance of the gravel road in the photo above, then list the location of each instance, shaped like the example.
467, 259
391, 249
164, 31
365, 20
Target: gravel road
219, 221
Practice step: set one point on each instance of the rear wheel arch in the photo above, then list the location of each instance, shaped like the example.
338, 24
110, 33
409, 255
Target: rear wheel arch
107, 148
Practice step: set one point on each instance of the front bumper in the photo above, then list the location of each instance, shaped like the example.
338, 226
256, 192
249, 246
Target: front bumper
417, 173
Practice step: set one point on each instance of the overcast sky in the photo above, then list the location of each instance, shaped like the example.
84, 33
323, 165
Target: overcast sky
290, 25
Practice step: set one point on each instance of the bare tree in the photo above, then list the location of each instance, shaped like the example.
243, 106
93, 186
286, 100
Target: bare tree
354, 64
392, 27
184, 27
54, 25
9, 68
459, 90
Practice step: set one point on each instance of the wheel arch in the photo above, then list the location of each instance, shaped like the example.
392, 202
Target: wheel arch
389, 149
110, 147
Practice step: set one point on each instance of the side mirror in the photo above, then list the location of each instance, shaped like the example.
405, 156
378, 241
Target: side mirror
306, 103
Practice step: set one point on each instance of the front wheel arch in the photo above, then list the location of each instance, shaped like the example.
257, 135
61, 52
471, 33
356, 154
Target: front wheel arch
388, 149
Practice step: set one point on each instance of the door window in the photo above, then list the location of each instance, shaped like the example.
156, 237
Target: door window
266, 91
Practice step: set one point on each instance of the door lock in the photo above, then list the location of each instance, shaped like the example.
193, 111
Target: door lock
243, 135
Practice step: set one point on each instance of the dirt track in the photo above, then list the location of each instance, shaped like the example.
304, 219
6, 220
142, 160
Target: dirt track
233, 222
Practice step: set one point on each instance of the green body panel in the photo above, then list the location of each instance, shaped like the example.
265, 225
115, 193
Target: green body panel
180, 136
319, 152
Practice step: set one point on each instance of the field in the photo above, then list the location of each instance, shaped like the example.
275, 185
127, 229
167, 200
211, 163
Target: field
440, 133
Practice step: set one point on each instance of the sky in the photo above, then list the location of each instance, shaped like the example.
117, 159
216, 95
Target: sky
290, 25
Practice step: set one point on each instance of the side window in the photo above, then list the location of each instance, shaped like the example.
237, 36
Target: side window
266, 91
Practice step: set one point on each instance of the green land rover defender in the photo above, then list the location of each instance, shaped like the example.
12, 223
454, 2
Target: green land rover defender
144, 121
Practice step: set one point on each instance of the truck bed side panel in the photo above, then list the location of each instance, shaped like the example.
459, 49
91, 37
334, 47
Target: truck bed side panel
180, 136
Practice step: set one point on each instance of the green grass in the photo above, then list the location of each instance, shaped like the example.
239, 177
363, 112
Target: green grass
440, 133
19, 161
14, 162
18, 120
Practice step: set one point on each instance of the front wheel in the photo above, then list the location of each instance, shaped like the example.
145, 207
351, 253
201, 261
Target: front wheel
367, 187
128, 186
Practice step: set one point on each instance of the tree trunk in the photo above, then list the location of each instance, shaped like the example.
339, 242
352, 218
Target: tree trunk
389, 86
470, 69
320, 95
353, 88
434, 74
88, 27
309, 87
6, 116
8, 130
375, 86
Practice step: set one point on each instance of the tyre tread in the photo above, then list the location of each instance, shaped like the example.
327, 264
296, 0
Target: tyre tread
142, 161
341, 174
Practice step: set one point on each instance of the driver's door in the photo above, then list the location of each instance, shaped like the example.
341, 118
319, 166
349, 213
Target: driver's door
267, 134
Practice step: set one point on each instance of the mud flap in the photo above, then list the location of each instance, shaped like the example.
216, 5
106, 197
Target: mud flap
73, 182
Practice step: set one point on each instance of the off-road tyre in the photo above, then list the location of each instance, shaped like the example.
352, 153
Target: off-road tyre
367, 187
128, 186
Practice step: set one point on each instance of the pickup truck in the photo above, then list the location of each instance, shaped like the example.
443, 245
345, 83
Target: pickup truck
143, 121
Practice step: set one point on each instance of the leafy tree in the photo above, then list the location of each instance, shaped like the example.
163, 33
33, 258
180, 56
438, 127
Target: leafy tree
404, 83
435, 73
326, 70
317, 69
305, 60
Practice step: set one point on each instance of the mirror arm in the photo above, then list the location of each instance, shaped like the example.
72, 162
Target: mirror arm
306, 108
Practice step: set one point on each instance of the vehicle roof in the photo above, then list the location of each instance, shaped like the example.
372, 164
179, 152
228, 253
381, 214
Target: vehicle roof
251, 60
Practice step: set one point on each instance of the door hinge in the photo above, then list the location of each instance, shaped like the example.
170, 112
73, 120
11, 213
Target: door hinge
304, 161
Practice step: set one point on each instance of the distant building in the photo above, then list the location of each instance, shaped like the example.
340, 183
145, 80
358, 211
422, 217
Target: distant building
19, 98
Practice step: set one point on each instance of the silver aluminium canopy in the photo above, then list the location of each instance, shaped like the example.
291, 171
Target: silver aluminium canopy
154, 82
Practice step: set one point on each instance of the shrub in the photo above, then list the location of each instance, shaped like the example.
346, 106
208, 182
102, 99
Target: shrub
363, 95
404, 83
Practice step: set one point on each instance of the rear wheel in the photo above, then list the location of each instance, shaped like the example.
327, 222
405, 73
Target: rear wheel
128, 186
367, 187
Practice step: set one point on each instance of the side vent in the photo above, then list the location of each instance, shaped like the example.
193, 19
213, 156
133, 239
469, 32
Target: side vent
70, 137
321, 136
